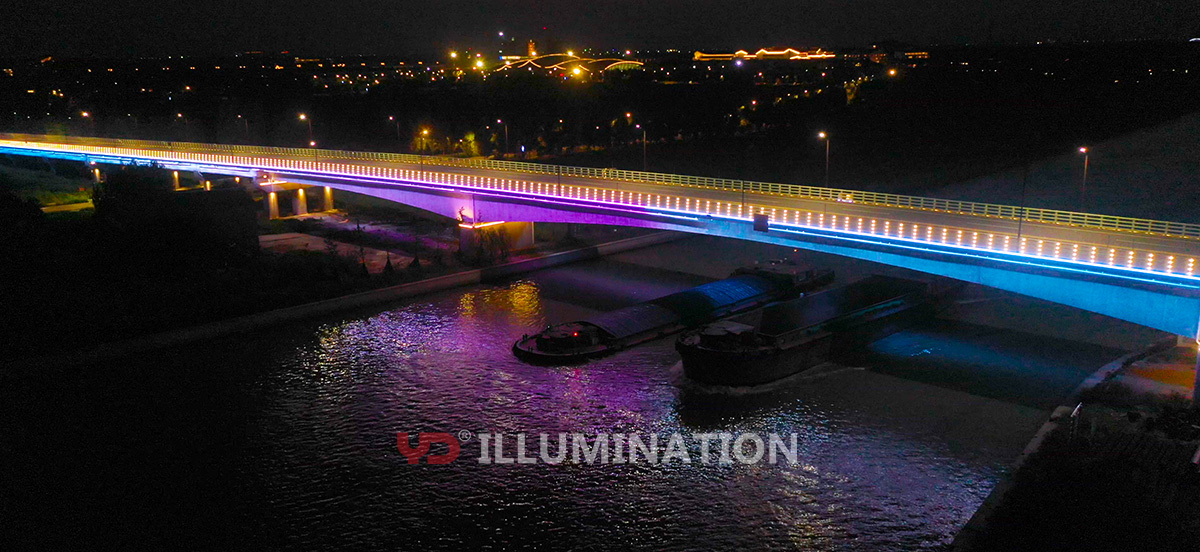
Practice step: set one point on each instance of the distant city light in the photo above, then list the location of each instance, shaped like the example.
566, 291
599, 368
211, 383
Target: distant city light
303, 117
1082, 150
454, 55
479, 63
501, 33
576, 71
570, 52
891, 72
821, 135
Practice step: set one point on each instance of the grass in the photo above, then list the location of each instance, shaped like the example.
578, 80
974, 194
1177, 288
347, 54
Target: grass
44, 186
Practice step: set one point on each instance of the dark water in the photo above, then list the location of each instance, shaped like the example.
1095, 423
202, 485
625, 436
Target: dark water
287, 439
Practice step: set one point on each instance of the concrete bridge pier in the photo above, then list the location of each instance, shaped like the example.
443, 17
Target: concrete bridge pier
327, 203
299, 203
272, 202
1196, 381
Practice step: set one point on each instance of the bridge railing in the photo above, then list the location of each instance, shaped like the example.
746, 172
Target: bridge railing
1032, 214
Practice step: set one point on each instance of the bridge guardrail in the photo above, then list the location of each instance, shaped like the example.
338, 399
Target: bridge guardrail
1031, 214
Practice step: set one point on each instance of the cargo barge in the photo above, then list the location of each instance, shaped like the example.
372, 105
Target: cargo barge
747, 288
788, 337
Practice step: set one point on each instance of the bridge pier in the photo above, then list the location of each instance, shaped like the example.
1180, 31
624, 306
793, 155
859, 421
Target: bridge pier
272, 201
1196, 381
327, 204
299, 203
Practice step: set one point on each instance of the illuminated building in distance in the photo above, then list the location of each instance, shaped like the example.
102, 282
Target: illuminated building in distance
765, 54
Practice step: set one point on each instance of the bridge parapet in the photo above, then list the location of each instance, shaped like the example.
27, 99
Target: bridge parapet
970, 208
1050, 216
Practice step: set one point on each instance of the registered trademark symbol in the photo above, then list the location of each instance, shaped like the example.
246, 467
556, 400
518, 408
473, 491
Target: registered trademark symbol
464, 435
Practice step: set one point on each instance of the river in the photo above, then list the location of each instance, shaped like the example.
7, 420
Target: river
286, 439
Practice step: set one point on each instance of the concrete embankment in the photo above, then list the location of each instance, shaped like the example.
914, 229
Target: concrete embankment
976, 527
347, 302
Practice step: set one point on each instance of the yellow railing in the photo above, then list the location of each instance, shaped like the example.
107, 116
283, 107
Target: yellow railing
1050, 216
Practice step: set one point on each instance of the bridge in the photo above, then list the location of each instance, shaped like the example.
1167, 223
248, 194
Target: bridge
1138, 270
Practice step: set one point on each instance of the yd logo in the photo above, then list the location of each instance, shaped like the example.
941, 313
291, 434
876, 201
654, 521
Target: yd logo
424, 441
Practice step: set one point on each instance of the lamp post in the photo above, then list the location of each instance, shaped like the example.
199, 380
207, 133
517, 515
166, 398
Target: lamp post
825, 137
304, 117
500, 122
394, 120
245, 126
1083, 187
643, 148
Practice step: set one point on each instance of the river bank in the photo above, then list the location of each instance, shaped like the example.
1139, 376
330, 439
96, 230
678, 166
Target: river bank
260, 320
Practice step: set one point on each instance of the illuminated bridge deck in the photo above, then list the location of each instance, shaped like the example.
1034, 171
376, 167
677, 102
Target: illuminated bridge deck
1156, 252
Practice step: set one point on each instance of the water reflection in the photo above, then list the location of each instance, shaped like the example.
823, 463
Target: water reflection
885, 462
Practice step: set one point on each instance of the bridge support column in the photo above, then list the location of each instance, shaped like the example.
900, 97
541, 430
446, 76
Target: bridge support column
1196, 380
327, 204
516, 236
272, 202
300, 203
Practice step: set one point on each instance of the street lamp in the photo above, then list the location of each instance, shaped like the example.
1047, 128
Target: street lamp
643, 147
1083, 188
499, 122
825, 137
304, 117
245, 125
393, 119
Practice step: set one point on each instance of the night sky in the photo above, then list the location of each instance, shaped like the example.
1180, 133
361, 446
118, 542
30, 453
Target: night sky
194, 27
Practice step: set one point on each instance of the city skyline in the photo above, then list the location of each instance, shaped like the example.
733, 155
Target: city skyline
140, 28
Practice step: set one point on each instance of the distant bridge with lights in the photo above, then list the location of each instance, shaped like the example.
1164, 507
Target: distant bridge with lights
1141, 271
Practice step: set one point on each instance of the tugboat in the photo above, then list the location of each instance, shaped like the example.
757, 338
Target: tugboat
746, 289
788, 337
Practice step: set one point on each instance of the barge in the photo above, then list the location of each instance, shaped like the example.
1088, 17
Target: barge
746, 289
788, 337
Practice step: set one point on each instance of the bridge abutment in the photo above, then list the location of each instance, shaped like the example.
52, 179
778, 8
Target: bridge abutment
515, 236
